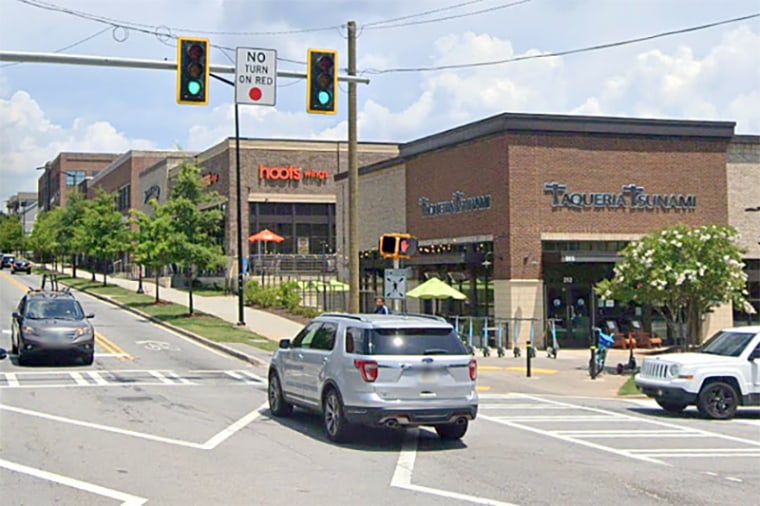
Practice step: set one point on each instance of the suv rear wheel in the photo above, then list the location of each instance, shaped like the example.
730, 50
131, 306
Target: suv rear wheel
451, 430
277, 404
336, 425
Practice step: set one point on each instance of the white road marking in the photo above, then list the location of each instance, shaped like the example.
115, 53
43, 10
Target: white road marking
579, 436
212, 442
173, 375
402, 475
158, 375
229, 431
236, 375
6, 331
111, 355
97, 378
126, 499
254, 376
12, 380
78, 378
737, 480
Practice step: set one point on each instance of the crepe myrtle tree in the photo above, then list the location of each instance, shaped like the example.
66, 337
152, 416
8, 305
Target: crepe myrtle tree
682, 273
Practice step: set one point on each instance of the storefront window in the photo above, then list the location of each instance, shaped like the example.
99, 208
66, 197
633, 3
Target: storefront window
308, 229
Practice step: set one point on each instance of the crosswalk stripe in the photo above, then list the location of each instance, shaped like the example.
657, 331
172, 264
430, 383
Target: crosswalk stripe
11, 378
97, 378
78, 378
240, 377
163, 379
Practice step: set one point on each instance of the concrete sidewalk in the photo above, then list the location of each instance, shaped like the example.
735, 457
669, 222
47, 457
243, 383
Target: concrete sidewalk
565, 375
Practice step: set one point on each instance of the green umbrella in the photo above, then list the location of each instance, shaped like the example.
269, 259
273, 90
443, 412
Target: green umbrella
434, 288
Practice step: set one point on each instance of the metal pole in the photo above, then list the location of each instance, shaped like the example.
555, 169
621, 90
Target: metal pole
108, 61
140, 279
241, 312
353, 177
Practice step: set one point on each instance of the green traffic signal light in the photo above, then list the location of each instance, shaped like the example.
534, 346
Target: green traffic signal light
322, 81
192, 71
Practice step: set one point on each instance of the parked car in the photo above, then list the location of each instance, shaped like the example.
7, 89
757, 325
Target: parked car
21, 265
6, 261
723, 374
49, 323
378, 370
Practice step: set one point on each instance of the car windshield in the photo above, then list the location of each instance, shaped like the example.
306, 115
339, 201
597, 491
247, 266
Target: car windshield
58, 309
728, 344
410, 341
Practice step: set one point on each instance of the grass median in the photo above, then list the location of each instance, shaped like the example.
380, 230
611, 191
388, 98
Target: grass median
202, 324
629, 387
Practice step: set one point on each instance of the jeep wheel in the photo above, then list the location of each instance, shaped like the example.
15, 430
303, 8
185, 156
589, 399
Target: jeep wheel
336, 425
671, 406
451, 430
717, 400
277, 404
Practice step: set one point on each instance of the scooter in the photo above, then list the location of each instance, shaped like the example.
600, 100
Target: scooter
631, 365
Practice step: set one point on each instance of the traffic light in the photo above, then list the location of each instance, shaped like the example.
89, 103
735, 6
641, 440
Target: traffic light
322, 81
396, 246
192, 71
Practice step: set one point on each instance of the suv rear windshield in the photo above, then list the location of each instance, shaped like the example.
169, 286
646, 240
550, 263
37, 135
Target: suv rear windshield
406, 341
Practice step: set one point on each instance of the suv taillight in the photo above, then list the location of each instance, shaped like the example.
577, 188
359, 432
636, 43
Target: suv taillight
473, 369
368, 368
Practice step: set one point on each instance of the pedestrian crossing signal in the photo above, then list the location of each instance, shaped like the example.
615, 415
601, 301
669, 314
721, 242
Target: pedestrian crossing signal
396, 246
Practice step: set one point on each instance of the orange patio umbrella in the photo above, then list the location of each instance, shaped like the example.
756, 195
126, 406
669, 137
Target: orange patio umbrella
266, 235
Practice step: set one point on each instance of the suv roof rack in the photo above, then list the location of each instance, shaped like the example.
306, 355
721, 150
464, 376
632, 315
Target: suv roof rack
352, 316
423, 315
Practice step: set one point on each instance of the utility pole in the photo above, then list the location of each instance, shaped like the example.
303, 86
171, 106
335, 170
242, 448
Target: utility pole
353, 178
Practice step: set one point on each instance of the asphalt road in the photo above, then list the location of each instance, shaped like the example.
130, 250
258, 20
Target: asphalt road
159, 419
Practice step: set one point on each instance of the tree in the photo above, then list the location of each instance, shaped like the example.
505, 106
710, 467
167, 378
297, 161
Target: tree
44, 237
195, 221
682, 273
72, 232
103, 233
11, 234
150, 238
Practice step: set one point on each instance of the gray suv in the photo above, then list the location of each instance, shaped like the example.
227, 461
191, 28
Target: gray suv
379, 370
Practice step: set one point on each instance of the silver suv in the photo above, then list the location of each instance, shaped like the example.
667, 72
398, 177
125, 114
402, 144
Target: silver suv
380, 370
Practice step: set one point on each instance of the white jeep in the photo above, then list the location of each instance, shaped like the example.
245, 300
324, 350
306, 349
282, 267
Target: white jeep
723, 374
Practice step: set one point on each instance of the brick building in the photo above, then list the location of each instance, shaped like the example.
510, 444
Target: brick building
525, 213
65, 174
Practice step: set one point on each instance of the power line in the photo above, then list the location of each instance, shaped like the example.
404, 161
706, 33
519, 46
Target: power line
447, 18
150, 29
433, 11
562, 53
73, 44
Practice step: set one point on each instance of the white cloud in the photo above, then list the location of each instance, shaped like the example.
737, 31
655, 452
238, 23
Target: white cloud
28, 139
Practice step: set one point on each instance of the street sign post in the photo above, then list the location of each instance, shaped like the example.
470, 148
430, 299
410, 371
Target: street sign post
395, 283
256, 76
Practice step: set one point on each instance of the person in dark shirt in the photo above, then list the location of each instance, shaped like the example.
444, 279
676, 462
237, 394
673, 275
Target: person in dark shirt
380, 306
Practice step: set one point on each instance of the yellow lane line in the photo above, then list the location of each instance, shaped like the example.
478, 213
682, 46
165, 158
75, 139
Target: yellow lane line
482, 388
112, 347
99, 339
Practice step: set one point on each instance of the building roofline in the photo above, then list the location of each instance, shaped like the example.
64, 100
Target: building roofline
556, 123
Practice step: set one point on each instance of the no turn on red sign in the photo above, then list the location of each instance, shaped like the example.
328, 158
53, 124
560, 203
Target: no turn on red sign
256, 76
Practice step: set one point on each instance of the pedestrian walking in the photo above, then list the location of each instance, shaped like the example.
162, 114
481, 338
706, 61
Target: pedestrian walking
380, 306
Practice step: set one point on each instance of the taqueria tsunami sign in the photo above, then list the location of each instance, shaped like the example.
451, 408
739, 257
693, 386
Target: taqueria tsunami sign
631, 196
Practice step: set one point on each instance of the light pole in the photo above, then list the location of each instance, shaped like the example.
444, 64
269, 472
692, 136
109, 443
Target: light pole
139, 279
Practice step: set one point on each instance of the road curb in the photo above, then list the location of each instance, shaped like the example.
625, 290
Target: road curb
208, 342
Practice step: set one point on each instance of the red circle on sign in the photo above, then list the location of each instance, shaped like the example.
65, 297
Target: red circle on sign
255, 94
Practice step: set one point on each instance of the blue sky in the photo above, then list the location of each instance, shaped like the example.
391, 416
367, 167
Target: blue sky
710, 74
